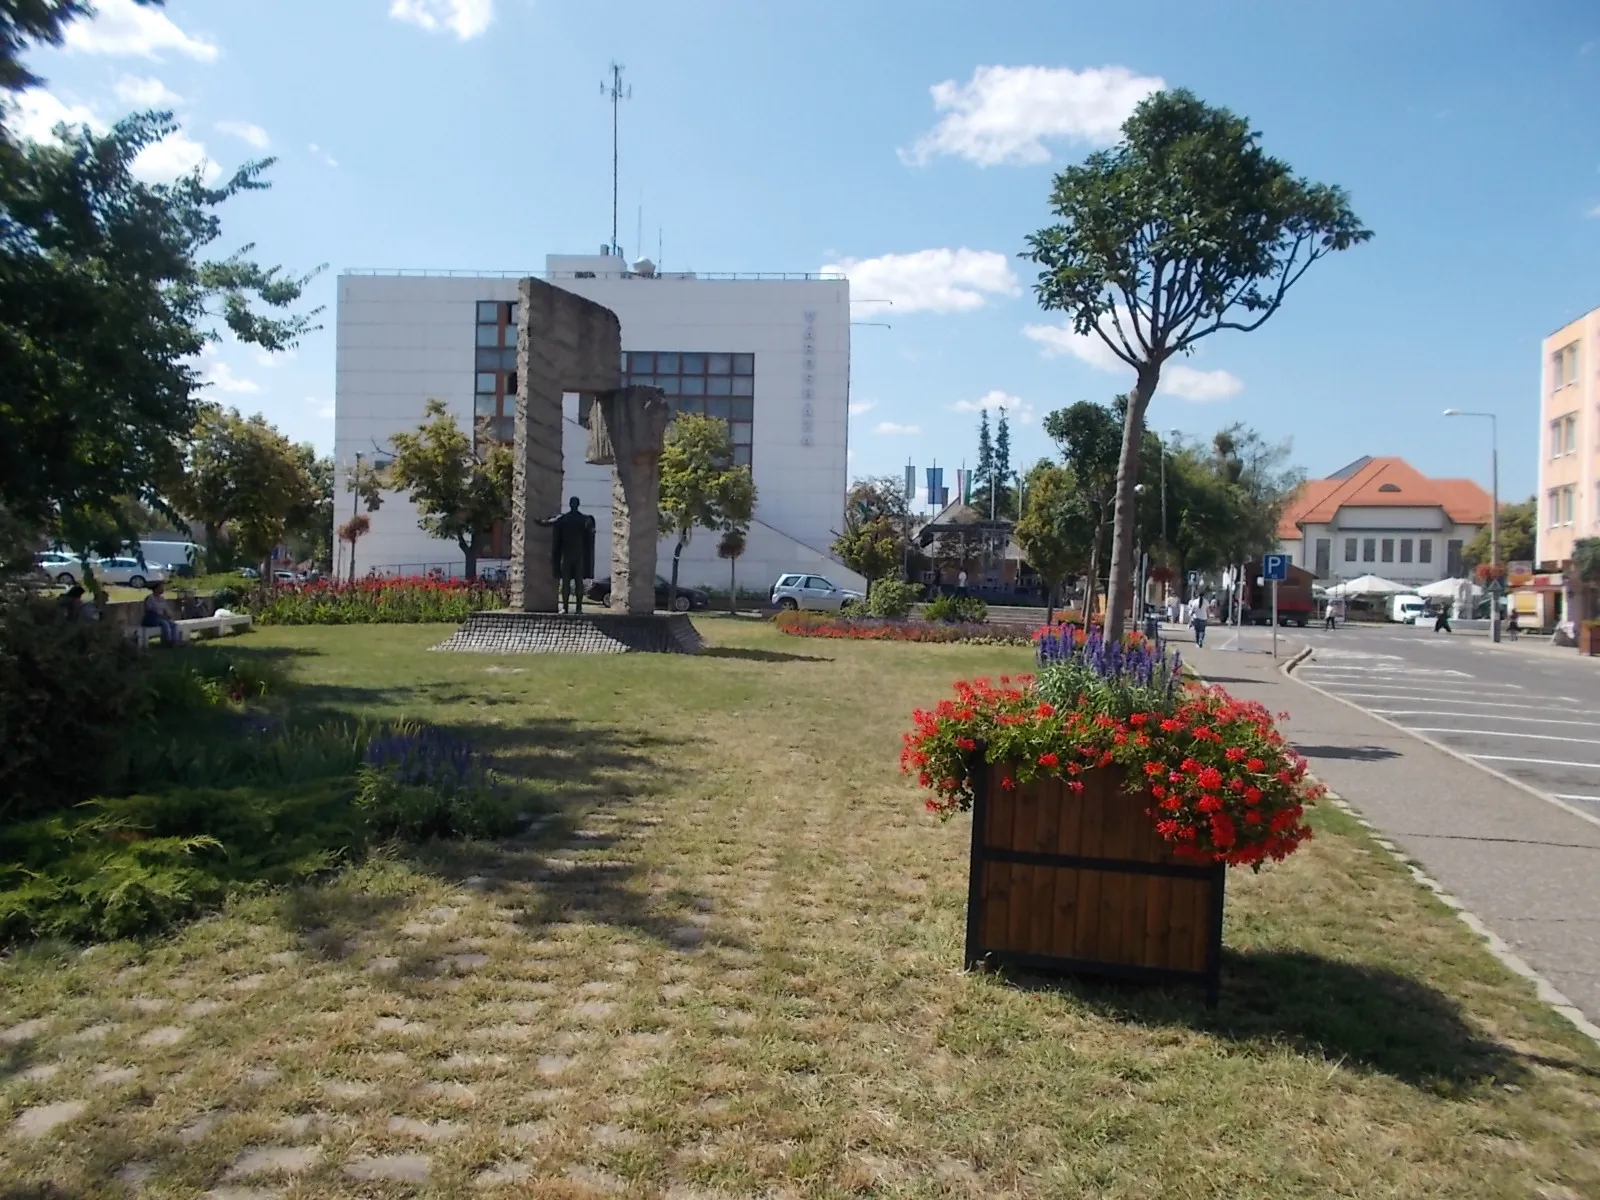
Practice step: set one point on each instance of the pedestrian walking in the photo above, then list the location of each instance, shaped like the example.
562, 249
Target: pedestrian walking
1197, 620
1442, 621
1512, 626
1330, 618
961, 584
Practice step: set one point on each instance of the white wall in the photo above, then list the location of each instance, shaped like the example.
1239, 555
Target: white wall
1380, 524
405, 339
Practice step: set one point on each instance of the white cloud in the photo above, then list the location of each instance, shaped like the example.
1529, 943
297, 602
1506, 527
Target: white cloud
857, 407
1190, 383
1004, 115
1017, 409
174, 155
145, 92
893, 427
930, 280
1593, 212
323, 408
124, 28
327, 158
247, 132
1177, 379
273, 358
34, 113
464, 18
219, 376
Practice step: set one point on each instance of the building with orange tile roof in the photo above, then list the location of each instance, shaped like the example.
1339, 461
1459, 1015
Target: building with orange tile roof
1381, 516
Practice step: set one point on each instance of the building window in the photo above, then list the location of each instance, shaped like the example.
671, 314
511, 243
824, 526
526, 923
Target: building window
1568, 509
1452, 557
1369, 549
1552, 507
1405, 550
494, 401
1350, 549
1571, 422
1564, 366
1324, 557
1555, 438
711, 384
1388, 549
1425, 550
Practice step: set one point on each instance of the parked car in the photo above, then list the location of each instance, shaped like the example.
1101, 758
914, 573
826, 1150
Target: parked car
811, 592
288, 577
690, 599
248, 573
129, 572
63, 568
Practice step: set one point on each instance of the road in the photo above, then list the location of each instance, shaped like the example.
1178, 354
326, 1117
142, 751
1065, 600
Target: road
1526, 712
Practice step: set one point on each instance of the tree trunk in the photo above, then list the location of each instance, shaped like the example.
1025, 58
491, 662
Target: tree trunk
672, 584
469, 548
733, 587
352, 560
1122, 529
1092, 581
1049, 603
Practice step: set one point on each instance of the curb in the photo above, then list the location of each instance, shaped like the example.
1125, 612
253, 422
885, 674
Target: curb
1547, 993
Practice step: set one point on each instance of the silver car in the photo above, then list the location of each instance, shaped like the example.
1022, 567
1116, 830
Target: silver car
796, 591
63, 568
127, 571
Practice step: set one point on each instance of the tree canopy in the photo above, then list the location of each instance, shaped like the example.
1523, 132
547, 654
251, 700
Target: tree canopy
107, 295
873, 542
700, 488
1185, 228
1519, 535
459, 485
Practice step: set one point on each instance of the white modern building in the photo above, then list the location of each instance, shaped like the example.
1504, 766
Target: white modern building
768, 353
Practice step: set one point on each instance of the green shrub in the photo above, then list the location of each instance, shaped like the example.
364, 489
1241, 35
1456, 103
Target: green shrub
891, 598
961, 609
69, 690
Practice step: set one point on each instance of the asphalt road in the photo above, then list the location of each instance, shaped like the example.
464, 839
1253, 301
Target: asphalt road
1527, 712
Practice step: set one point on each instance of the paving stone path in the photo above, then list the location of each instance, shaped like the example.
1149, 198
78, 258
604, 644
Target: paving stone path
481, 1037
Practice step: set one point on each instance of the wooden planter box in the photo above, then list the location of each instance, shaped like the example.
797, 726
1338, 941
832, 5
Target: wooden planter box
1082, 883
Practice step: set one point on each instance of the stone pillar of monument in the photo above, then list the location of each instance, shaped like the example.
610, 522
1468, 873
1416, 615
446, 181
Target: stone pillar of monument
564, 344
626, 429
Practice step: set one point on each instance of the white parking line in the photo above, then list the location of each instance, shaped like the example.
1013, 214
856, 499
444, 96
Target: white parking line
1545, 762
1566, 796
1342, 685
1438, 700
1423, 712
1388, 671
1538, 737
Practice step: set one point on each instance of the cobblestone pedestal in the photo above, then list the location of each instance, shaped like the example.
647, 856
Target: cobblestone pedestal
507, 631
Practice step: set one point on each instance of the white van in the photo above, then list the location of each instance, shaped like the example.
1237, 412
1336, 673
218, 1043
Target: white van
1406, 609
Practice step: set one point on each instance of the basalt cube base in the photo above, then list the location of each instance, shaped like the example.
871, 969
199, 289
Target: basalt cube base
505, 631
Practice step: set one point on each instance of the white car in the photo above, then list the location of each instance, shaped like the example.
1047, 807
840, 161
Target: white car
129, 572
63, 568
797, 591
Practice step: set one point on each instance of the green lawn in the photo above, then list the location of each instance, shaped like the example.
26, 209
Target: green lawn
730, 967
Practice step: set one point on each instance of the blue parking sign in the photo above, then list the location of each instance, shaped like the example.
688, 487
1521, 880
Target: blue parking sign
1274, 566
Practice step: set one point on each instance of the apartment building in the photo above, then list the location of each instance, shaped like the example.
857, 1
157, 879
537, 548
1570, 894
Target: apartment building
1569, 441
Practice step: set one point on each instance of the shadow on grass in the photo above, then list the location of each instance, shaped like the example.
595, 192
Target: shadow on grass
1362, 1016
753, 655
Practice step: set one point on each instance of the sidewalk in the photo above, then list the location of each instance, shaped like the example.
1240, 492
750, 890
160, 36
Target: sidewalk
1529, 870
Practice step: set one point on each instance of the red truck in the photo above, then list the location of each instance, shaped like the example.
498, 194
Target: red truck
1296, 606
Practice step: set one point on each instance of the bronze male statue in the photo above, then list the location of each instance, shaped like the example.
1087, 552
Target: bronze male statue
571, 551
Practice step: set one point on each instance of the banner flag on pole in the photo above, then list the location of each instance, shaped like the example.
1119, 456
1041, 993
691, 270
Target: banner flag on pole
911, 481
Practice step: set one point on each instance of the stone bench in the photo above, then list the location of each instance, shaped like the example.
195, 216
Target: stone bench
215, 626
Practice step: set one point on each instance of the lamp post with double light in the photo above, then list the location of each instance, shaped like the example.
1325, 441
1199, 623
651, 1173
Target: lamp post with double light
1494, 513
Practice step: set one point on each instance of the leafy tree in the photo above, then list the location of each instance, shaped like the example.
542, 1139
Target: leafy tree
244, 477
105, 299
1519, 531
1057, 529
459, 488
700, 489
1088, 436
876, 523
311, 525
1263, 483
730, 547
1184, 229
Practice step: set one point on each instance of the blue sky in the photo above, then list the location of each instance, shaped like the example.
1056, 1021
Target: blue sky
913, 143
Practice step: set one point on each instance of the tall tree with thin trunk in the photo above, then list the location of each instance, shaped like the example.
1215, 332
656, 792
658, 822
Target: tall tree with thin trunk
700, 486
1185, 228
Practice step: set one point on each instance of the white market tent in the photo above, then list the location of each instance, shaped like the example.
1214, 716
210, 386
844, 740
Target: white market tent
1446, 589
1367, 585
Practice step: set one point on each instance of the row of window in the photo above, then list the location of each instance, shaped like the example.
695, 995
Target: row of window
671, 362
1564, 366
1383, 549
1564, 435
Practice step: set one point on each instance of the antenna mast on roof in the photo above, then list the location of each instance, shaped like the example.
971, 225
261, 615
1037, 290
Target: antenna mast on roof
616, 93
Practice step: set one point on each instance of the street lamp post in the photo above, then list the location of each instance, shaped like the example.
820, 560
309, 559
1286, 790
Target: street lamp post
1494, 513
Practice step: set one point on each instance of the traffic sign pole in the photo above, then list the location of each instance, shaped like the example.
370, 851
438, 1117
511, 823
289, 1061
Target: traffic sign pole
1274, 618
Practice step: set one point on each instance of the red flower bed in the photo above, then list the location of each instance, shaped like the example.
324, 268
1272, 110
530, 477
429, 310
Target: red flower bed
871, 629
1215, 775
374, 600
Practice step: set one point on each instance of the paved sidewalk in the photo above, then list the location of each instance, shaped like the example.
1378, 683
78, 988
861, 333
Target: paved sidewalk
1528, 869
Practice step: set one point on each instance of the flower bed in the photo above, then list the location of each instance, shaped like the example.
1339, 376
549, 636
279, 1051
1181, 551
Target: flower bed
874, 629
394, 601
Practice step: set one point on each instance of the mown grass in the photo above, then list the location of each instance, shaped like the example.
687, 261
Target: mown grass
730, 967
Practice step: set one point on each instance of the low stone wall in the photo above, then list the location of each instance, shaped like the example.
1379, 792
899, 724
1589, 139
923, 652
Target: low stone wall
128, 614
